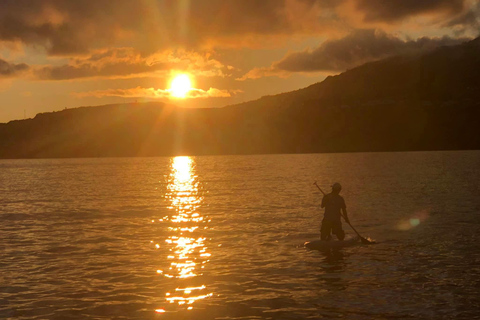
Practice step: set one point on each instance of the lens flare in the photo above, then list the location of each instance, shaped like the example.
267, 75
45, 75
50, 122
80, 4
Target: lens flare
413, 221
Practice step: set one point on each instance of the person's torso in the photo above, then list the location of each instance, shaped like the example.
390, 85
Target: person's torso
333, 205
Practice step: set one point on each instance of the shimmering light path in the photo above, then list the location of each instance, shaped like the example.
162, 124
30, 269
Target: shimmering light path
187, 250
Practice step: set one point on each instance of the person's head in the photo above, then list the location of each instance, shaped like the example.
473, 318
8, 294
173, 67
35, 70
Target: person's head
336, 188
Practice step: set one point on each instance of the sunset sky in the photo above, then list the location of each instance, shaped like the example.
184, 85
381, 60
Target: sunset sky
65, 54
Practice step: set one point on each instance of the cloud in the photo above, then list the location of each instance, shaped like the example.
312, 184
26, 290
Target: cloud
70, 28
97, 36
252, 23
152, 93
395, 10
211, 93
468, 18
77, 27
257, 73
129, 63
8, 69
357, 48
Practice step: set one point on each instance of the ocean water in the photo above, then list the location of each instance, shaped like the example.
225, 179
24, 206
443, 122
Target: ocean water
222, 237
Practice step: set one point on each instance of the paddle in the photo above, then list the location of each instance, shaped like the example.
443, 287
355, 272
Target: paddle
364, 240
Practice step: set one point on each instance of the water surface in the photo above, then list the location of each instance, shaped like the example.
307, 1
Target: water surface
222, 237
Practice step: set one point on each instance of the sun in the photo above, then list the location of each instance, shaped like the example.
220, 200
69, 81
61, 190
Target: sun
180, 86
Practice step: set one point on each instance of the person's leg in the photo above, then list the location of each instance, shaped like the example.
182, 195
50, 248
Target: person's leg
325, 230
338, 231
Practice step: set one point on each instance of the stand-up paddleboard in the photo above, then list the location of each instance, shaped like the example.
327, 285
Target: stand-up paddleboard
332, 244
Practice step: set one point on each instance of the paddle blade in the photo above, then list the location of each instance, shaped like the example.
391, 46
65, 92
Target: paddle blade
366, 241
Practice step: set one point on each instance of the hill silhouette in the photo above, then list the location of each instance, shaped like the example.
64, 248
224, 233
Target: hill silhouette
414, 102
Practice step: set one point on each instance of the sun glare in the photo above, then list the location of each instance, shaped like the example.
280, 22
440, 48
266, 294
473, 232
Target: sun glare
180, 86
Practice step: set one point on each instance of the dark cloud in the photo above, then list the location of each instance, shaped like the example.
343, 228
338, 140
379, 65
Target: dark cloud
469, 18
73, 27
353, 50
393, 10
357, 48
68, 27
80, 26
11, 69
237, 17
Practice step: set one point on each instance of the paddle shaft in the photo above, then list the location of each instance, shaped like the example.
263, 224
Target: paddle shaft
346, 220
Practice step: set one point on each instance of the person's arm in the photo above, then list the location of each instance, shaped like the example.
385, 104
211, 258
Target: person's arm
323, 202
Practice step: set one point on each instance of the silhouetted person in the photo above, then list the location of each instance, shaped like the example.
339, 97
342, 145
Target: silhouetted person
334, 205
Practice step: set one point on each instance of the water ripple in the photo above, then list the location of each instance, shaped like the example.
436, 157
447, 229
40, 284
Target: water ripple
79, 238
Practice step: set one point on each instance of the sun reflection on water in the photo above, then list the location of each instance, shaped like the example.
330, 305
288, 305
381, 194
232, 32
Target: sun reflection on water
187, 250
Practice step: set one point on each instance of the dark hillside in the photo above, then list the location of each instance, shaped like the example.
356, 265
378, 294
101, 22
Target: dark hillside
426, 102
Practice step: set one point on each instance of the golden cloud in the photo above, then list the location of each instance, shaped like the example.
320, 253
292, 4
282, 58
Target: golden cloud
129, 63
152, 93
257, 73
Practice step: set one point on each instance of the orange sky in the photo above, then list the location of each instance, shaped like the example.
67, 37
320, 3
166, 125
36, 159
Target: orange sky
56, 54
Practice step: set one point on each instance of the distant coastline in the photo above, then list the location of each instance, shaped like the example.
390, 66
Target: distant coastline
404, 103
